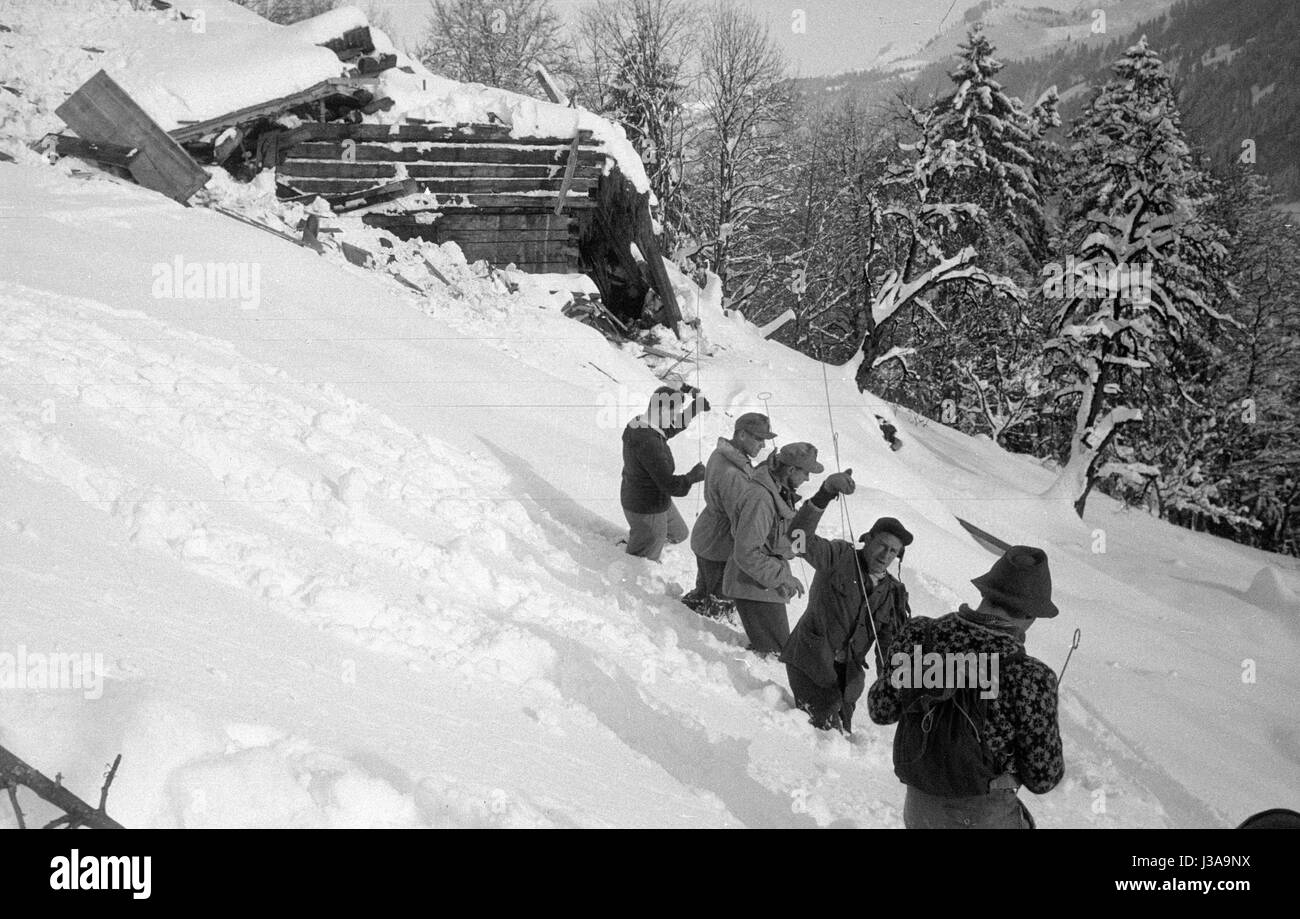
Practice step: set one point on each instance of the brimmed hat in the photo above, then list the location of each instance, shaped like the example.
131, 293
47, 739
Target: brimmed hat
800, 456
755, 425
888, 525
1020, 583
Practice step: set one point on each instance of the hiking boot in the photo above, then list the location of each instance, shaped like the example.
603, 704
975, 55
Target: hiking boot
695, 601
717, 608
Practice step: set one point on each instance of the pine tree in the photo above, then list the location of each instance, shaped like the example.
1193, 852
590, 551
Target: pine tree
1257, 445
985, 148
1145, 260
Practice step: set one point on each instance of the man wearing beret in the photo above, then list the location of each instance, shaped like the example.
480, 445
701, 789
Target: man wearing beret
758, 575
725, 476
853, 604
1020, 743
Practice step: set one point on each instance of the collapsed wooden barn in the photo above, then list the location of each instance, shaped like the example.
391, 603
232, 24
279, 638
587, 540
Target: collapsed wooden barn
535, 198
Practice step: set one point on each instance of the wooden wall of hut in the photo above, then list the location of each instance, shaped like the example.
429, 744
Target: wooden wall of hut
494, 195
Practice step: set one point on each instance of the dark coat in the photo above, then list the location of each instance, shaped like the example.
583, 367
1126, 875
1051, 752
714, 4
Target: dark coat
1021, 730
835, 622
649, 484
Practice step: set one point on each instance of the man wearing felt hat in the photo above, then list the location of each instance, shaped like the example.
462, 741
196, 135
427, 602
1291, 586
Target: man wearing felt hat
725, 476
854, 604
969, 778
758, 575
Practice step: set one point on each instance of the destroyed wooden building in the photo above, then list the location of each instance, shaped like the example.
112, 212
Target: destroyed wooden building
544, 203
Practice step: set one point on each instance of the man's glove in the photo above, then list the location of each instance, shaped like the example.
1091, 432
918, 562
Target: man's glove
696, 474
840, 483
790, 587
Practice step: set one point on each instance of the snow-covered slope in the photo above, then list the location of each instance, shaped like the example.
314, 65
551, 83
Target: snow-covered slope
1023, 29
354, 550
348, 558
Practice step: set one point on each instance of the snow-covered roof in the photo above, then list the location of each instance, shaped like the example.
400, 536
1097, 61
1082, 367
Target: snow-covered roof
227, 58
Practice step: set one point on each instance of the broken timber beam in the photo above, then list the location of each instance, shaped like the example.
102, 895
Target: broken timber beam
104, 154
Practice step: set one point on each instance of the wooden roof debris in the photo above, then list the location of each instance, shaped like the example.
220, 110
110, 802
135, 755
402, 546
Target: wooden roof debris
102, 113
549, 204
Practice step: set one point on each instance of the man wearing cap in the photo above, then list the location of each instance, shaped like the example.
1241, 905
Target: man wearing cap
724, 480
758, 575
854, 603
1021, 739
648, 484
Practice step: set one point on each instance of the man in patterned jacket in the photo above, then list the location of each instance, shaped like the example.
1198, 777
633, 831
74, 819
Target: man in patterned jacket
1021, 740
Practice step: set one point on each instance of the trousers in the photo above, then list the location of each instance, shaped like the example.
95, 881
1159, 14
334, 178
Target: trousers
1000, 809
766, 625
827, 706
647, 533
708, 577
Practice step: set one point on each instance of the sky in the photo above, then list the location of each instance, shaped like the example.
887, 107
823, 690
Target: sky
837, 35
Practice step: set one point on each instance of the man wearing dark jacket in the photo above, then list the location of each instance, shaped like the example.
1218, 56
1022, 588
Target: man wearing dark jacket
1021, 740
826, 656
649, 485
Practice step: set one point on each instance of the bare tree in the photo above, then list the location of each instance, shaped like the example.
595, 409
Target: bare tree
745, 97
495, 42
638, 70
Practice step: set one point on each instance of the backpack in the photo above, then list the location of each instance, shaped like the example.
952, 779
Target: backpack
939, 744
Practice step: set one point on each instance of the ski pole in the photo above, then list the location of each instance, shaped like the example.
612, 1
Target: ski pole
1078, 633
848, 521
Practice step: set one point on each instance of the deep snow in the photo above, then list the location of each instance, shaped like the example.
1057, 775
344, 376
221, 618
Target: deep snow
349, 559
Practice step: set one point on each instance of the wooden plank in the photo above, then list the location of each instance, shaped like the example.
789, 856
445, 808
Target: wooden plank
492, 204
547, 236
467, 133
497, 171
199, 129
454, 188
470, 220
446, 152
101, 112
261, 226
292, 170
497, 186
649, 246
570, 165
529, 249
316, 168
549, 86
326, 186
384, 193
